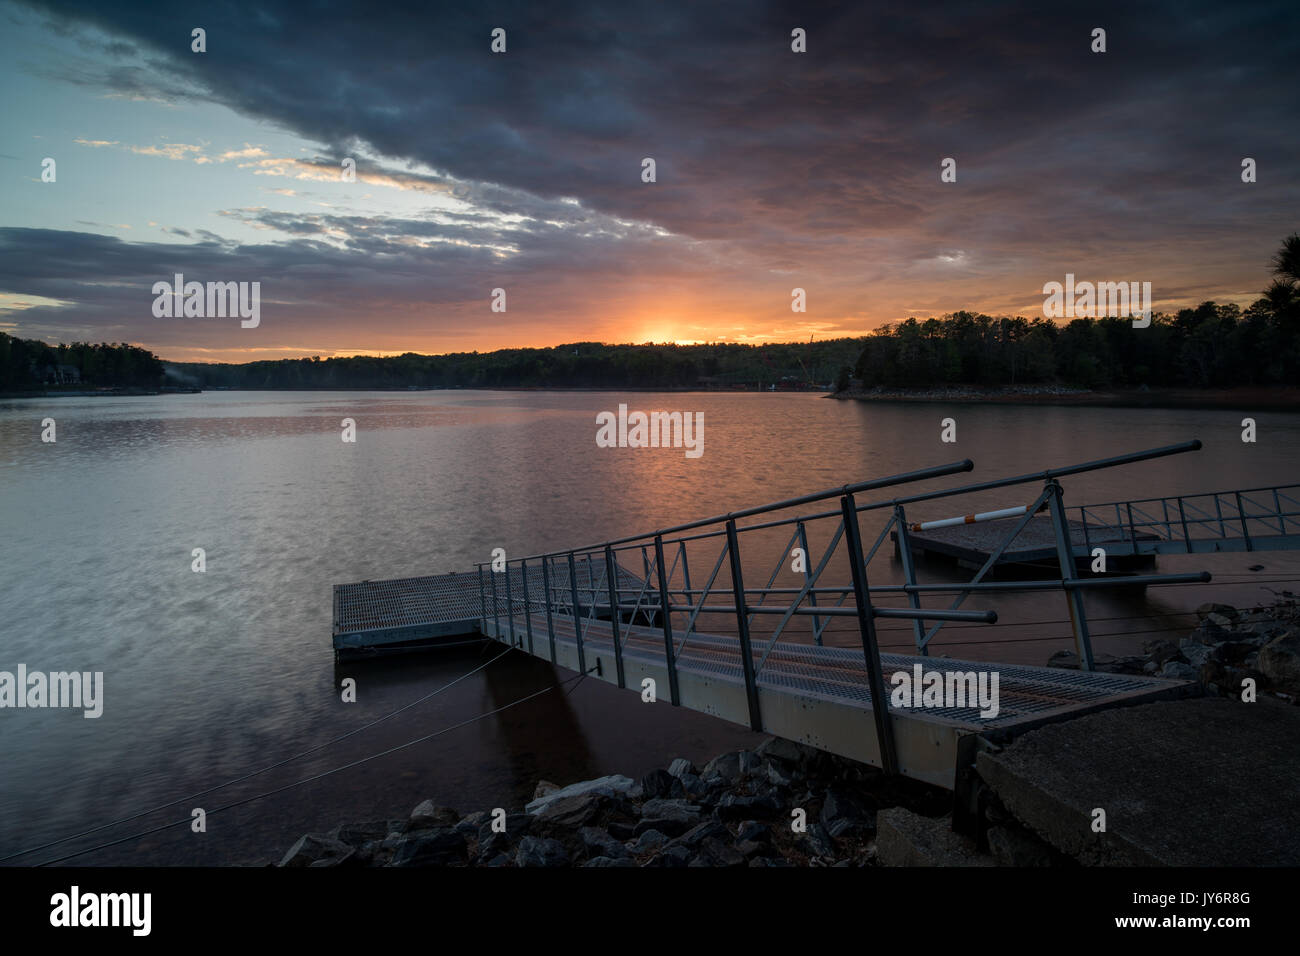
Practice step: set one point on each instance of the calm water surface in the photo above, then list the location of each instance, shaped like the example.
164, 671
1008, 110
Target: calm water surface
211, 675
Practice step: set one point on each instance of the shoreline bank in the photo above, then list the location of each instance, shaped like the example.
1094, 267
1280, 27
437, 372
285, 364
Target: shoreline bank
1245, 398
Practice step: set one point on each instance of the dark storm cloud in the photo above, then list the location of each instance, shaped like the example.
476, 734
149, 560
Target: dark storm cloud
781, 162
739, 126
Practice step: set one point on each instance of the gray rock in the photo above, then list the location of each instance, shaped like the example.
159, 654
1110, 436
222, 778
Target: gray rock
434, 847
753, 830
1176, 670
600, 843
816, 841
544, 788
573, 811
660, 783
1279, 660
1195, 653
649, 840
490, 842
473, 822
615, 785
709, 829
778, 748
727, 766
769, 861
541, 851
843, 815
609, 861
1223, 610
665, 809
429, 814
673, 856
693, 785
734, 806
681, 766
313, 848
779, 775
501, 859
713, 780
750, 763
347, 858
750, 848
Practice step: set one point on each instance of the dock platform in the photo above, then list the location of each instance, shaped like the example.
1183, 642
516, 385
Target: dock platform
970, 545
376, 617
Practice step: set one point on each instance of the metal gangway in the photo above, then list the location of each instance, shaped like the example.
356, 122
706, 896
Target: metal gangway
755, 654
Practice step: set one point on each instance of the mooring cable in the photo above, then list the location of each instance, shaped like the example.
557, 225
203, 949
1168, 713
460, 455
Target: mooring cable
255, 773
313, 778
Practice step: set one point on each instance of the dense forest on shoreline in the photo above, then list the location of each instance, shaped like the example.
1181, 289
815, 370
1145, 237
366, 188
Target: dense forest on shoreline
31, 365
1210, 346
577, 365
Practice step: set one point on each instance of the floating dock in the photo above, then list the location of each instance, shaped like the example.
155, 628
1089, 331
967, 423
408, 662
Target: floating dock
971, 545
441, 610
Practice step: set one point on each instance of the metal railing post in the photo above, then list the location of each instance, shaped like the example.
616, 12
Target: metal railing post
742, 625
496, 614
528, 607
577, 614
870, 648
546, 597
1065, 555
482, 602
615, 599
1245, 530
666, 618
510, 607
909, 576
807, 576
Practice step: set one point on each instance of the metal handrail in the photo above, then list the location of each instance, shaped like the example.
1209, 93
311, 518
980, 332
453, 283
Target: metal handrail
663, 598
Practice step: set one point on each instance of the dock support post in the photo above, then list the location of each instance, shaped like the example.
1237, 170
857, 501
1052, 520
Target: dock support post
870, 648
1065, 556
546, 596
665, 616
482, 602
496, 614
577, 614
510, 607
742, 625
909, 576
615, 612
528, 607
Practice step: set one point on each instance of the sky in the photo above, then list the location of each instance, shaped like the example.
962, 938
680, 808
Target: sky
523, 170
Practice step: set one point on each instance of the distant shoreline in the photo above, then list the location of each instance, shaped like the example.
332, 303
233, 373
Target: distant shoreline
1248, 398
1245, 398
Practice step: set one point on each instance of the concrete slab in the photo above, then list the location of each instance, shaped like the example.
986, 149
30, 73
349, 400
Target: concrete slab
1205, 782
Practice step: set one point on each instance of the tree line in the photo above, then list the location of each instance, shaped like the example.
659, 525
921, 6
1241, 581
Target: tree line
29, 364
1209, 346
576, 365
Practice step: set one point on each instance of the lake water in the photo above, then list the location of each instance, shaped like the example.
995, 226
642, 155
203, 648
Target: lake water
211, 675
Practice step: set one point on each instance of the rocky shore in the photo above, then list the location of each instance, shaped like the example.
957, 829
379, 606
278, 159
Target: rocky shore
1228, 647
785, 804
782, 804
